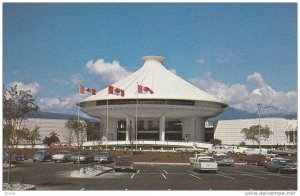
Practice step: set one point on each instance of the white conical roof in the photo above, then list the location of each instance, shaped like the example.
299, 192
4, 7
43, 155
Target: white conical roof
164, 84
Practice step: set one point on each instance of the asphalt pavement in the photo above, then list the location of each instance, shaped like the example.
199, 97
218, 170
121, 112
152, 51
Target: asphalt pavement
56, 176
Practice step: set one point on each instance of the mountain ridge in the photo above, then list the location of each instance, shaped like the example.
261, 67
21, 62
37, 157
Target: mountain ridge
229, 114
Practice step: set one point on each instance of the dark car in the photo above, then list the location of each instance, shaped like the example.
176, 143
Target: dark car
103, 158
283, 151
224, 160
13, 158
41, 155
281, 165
123, 162
82, 157
256, 159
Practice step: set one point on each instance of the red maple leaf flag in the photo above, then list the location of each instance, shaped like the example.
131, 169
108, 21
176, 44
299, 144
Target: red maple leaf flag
144, 90
84, 90
115, 91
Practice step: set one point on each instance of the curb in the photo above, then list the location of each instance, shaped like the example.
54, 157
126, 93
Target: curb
104, 172
156, 163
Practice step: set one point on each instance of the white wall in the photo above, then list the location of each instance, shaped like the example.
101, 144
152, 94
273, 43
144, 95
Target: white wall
229, 130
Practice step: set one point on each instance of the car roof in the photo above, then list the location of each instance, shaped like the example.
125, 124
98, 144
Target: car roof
221, 154
201, 157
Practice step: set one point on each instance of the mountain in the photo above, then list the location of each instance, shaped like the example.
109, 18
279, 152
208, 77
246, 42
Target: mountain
53, 115
232, 113
229, 114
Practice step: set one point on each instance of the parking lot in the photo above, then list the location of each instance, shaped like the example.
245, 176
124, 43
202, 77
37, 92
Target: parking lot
56, 176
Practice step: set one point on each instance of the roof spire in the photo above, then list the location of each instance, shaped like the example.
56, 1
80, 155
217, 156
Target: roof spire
160, 59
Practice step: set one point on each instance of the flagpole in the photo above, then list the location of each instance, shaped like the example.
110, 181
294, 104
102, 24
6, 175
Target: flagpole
107, 115
78, 102
136, 118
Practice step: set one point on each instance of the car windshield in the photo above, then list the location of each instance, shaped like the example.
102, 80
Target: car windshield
103, 155
284, 161
206, 160
40, 152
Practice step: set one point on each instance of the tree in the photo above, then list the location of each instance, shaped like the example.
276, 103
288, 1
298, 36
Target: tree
52, 139
216, 141
253, 133
79, 129
33, 136
17, 104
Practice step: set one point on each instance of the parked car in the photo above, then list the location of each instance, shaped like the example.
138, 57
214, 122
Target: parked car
13, 158
270, 157
205, 163
104, 158
82, 157
223, 159
62, 155
283, 151
235, 150
20, 156
194, 158
256, 159
123, 162
281, 165
41, 155
251, 151
217, 149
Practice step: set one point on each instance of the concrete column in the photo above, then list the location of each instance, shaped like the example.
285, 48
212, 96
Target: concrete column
162, 124
200, 129
127, 128
193, 128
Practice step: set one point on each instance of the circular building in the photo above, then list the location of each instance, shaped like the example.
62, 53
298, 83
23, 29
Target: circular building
155, 104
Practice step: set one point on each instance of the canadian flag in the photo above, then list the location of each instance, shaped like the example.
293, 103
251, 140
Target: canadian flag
116, 91
84, 90
144, 90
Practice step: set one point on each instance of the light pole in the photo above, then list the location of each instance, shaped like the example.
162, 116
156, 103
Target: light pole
259, 108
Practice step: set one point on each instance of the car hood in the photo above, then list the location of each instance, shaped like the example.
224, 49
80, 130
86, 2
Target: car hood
59, 155
38, 156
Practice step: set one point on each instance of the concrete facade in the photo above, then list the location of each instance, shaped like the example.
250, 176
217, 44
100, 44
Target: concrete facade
229, 131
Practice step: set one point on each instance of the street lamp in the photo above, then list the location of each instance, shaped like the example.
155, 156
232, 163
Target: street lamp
259, 108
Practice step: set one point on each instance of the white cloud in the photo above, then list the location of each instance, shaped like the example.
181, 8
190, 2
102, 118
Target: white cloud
60, 81
33, 87
59, 104
201, 61
109, 72
241, 97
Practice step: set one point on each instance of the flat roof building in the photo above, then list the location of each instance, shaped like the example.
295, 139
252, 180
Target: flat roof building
284, 131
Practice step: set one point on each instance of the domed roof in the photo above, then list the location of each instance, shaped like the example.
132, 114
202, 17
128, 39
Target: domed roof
163, 83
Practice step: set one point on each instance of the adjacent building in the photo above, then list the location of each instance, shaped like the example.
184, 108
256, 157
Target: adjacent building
284, 131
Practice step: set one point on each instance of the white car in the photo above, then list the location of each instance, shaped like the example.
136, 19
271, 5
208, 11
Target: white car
205, 163
62, 155
235, 150
218, 150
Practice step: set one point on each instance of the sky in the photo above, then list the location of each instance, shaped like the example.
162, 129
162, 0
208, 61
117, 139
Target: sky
240, 53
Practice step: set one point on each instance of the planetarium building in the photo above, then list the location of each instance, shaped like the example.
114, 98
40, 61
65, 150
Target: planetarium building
152, 104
